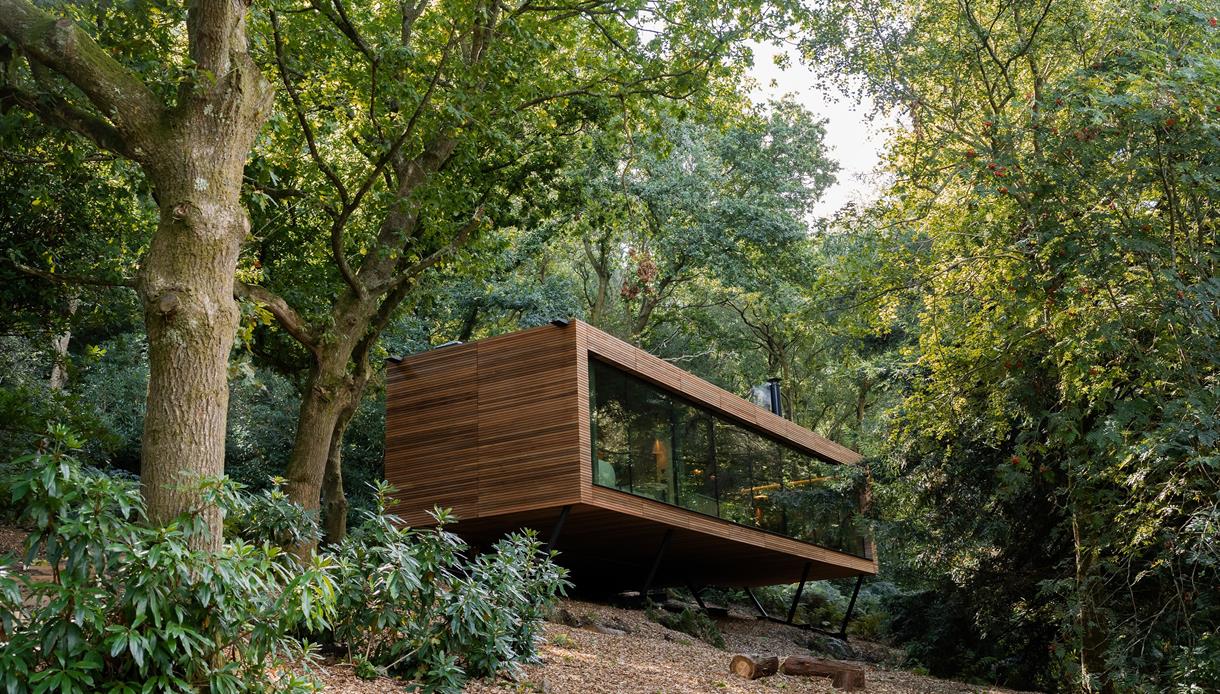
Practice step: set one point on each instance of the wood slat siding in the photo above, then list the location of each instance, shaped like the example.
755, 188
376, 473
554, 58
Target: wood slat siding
432, 417
584, 413
485, 428
528, 420
499, 430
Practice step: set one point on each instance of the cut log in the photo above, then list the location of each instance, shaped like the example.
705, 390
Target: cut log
753, 667
843, 676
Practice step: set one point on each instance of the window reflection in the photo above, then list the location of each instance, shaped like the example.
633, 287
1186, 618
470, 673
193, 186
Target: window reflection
656, 445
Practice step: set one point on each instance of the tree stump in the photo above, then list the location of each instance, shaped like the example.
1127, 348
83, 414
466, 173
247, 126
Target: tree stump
753, 667
843, 676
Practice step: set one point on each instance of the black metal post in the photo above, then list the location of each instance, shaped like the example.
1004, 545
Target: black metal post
563, 518
656, 563
757, 605
777, 403
850, 607
796, 599
698, 596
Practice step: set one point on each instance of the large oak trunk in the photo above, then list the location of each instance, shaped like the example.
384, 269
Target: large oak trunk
186, 287
193, 150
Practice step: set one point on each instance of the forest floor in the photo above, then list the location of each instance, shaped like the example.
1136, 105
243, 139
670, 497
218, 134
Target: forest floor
650, 658
620, 651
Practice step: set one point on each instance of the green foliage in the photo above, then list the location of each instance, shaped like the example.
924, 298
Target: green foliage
268, 517
1051, 228
691, 622
409, 602
691, 210
131, 607
128, 604
947, 634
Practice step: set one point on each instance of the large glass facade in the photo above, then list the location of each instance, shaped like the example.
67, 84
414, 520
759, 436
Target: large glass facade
651, 443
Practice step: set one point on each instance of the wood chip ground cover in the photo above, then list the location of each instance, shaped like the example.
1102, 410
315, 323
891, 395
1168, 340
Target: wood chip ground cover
653, 659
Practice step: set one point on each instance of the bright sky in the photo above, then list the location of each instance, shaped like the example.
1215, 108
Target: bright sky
853, 140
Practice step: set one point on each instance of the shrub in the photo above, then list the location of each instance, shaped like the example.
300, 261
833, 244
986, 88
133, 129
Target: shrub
690, 622
410, 603
133, 608
268, 516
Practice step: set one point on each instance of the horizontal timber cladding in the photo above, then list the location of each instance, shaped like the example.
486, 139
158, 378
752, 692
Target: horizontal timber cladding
529, 454
431, 432
485, 428
499, 431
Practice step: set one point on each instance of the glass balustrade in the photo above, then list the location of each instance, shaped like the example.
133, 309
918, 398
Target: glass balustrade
654, 444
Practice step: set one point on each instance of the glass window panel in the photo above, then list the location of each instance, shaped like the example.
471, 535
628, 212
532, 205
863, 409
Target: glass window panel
821, 503
768, 485
654, 444
696, 466
610, 427
736, 454
650, 437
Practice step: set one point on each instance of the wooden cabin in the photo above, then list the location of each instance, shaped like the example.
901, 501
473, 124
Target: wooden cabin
638, 473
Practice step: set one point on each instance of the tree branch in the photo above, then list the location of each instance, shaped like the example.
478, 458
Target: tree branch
412, 271
57, 112
60, 278
299, 112
285, 315
65, 48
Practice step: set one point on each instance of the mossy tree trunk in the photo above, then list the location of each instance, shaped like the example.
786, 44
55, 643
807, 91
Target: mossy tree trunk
193, 153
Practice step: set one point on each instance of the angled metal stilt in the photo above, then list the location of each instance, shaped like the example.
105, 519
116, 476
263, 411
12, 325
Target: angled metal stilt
563, 518
850, 607
757, 605
796, 599
656, 563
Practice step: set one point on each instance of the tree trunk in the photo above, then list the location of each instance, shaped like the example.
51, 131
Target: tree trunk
1093, 674
334, 499
186, 285
193, 151
753, 667
59, 350
843, 675
322, 404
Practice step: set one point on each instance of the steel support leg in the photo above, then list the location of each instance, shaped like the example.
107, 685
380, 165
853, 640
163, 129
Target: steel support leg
563, 518
656, 563
698, 596
757, 605
796, 599
850, 607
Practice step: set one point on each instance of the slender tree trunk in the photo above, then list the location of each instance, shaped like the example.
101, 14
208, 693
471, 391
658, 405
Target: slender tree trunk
334, 499
314, 473
1093, 674
321, 405
469, 323
59, 350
